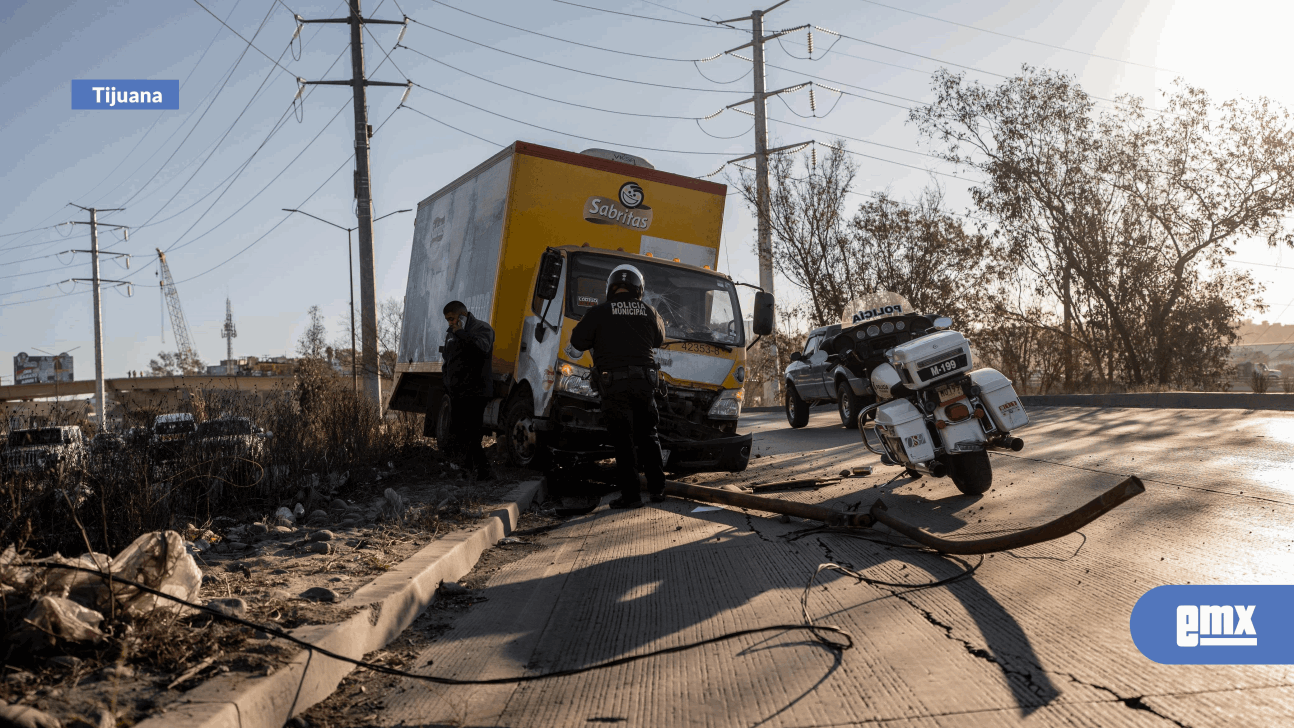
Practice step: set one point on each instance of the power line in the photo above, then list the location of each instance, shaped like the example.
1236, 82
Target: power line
24, 232
565, 40
248, 42
564, 133
546, 98
1015, 37
574, 70
644, 17
451, 126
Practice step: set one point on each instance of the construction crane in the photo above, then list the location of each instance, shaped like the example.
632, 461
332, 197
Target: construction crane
229, 333
181, 327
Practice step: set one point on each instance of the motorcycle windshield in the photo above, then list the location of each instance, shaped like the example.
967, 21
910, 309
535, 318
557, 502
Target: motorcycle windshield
878, 305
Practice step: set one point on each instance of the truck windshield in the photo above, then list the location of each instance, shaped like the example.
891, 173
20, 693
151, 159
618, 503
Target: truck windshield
42, 436
695, 305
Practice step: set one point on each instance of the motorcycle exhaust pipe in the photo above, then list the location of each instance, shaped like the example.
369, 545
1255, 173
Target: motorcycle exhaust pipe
1014, 444
934, 468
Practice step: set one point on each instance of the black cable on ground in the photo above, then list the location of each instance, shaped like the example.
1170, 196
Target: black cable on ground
850, 533
817, 630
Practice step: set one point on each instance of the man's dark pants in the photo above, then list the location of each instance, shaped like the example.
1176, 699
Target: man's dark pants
466, 415
629, 411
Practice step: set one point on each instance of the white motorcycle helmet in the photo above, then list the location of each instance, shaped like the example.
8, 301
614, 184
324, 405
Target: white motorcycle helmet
628, 276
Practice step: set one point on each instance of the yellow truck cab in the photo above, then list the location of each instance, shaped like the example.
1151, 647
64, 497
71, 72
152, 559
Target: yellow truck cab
526, 240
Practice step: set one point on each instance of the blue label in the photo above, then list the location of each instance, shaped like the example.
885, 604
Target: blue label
125, 94
1215, 625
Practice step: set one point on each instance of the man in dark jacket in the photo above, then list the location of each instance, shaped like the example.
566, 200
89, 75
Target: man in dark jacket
469, 348
622, 332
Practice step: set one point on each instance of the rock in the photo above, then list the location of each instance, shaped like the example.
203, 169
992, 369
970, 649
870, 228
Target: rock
453, 589
221, 548
230, 607
21, 716
66, 661
783, 518
235, 546
318, 516
393, 499
258, 529
278, 594
338, 504
320, 594
103, 719
845, 473
117, 672
284, 516
319, 547
280, 531
298, 510
321, 535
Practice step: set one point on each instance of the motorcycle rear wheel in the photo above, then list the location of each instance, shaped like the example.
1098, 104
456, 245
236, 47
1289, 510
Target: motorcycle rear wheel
971, 472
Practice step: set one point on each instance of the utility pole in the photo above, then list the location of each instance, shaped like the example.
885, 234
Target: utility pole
762, 201
101, 403
363, 190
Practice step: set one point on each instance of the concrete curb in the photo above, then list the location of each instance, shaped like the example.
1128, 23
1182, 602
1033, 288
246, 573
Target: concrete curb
1167, 400
388, 604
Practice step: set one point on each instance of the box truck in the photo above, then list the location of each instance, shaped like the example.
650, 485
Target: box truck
526, 240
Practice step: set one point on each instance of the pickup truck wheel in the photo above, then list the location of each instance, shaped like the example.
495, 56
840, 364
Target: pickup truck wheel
521, 443
848, 404
797, 410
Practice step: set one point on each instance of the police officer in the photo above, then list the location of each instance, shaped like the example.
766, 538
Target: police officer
622, 332
469, 348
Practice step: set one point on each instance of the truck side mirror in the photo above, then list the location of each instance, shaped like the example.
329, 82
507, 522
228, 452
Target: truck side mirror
550, 273
796, 356
763, 314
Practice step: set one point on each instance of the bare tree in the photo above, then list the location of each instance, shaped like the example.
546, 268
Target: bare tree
1122, 221
174, 363
810, 237
390, 323
314, 340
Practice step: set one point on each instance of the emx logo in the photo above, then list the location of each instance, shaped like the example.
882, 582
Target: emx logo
1170, 625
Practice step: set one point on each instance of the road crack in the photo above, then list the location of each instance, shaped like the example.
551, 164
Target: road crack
750, 523
1136, 702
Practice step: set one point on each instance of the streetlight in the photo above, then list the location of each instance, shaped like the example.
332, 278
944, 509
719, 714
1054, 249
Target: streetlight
354, 376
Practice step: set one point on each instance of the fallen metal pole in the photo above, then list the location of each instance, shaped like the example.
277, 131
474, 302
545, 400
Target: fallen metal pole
830, 516
1062, 526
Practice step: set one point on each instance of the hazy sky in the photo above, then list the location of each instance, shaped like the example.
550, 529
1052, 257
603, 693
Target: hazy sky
201, 182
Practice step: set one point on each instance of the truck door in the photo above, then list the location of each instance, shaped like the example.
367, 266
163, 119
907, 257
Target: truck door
815, 386
806, 383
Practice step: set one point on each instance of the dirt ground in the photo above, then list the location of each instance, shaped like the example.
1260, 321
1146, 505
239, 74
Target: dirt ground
146, 665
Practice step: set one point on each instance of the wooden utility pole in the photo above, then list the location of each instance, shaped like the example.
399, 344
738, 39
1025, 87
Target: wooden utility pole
363, 191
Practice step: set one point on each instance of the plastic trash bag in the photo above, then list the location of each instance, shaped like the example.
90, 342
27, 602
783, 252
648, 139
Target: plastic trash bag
54, 620
161, 561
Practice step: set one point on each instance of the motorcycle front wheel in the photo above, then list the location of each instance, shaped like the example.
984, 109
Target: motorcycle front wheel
971, 472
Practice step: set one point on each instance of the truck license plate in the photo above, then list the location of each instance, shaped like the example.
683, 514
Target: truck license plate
943, 367
949, 392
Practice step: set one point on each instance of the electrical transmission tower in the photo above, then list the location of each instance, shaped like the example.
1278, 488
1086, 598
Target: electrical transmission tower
229, 333
100, 397
188, 356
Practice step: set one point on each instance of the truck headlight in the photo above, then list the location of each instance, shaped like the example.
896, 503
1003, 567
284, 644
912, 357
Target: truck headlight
728, 405
574, 379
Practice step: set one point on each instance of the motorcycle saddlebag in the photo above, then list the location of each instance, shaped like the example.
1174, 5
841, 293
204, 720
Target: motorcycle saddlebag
903, 425
1000, 399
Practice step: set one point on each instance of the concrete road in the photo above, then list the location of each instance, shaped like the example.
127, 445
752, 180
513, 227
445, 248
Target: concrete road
1037, 636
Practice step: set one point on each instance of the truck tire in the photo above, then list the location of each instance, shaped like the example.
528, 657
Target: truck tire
444, 438
522, 445
971, 472
797, 410
848, 404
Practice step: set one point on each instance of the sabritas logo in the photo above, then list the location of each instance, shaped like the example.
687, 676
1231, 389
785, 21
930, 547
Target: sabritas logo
627, 210
1226, 627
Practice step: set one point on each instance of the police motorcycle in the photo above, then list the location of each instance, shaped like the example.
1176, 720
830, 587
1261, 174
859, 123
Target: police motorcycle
933, 415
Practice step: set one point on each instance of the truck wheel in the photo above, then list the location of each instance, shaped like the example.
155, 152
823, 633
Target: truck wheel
521, 443
797, 410
848, 404
971, 472
443, 427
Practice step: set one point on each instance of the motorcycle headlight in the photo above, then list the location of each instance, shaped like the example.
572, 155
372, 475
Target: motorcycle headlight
728, 405
574, 379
